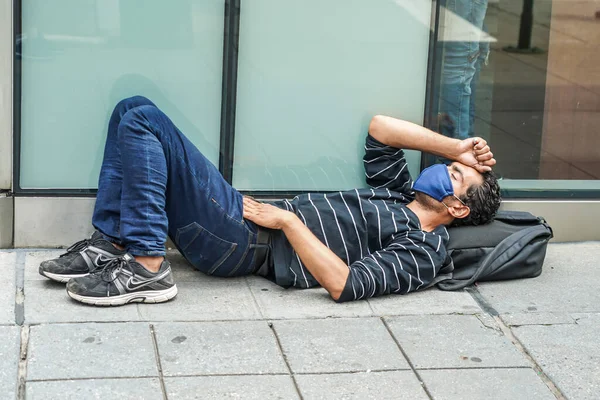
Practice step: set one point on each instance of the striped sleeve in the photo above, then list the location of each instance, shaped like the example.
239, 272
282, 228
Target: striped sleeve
406, 265
386, 167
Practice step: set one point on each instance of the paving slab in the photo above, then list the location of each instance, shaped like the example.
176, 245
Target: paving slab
248, 387
207, 299
453, 341
568, 354
489, 384
8, 259
130, 389
208, 348
9, 360
385, 385
278, 303
47, 301
339, 345
7, 303
183, 271
430, 301
564, 285
7, 279
71, 351
535, 318
33, 259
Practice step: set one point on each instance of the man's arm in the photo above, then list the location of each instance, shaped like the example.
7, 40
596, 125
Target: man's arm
327, 268
405, 135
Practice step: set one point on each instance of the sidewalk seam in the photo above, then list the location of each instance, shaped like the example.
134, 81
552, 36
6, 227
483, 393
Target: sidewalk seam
260, 312
285, 360
486, 307
22, 366
20, 289
158, 363
412, 367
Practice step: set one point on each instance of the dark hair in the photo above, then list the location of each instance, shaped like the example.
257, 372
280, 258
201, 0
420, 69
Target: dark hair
483, 200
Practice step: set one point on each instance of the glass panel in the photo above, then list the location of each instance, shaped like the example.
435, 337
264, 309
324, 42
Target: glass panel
524, 75
311, 75
80, 57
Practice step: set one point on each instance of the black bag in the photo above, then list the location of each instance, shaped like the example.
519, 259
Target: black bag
512, 246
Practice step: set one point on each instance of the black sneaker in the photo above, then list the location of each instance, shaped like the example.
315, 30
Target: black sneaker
80, 259
122, 281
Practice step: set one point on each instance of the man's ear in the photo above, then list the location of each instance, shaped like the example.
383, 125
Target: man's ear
459, 211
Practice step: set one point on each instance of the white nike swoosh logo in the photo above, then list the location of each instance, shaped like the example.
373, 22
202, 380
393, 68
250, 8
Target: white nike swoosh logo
134, 284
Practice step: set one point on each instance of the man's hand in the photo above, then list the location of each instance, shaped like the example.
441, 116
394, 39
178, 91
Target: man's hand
475, 153
265, 215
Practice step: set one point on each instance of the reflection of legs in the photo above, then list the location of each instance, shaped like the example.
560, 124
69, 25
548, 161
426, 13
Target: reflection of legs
459, 66
484, 51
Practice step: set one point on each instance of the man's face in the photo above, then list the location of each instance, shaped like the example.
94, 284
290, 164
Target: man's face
463, 177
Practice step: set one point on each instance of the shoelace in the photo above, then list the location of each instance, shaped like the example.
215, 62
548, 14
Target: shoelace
77, 247
115, 265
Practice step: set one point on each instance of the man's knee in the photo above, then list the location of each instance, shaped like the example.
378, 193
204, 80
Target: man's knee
139, 120
129, 103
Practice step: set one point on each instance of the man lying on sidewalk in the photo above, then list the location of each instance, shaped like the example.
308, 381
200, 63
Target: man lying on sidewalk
388, 238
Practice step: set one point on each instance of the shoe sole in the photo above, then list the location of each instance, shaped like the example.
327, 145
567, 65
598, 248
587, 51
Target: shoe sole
149, 296
58, 277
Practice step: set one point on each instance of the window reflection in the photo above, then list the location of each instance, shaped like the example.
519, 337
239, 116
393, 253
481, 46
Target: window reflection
539, 110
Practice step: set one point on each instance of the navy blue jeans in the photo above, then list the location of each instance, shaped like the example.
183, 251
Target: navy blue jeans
155, 183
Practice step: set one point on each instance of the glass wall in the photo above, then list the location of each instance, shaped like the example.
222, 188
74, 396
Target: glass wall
311, 75
80, 57
524, 75
308, 77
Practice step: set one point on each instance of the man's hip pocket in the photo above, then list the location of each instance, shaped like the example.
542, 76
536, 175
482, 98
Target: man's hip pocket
203, 249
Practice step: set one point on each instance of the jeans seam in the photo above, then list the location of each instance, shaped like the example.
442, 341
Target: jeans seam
242, 259
224, 258
225, 212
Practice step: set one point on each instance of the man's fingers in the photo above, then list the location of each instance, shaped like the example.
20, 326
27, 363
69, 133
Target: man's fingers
485, 157
479, 143
482, 168
483, 150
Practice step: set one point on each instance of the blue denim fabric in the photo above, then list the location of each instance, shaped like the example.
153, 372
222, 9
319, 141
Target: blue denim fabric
461, 64
154, 182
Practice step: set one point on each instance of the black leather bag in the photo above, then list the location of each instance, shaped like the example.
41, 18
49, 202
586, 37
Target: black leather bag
512, 246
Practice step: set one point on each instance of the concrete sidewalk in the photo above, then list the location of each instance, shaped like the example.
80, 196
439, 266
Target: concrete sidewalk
248, 339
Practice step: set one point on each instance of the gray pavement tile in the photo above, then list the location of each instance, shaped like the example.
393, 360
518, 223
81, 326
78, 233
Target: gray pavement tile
431, 301
535, 318
7, 303
279, 303
568, 354
8, 260
70, 351
453, 341
47, 301
130, 389
208, 348
338, 345
205, 300
33, 260
183, 271
7, 294
390, 385
564, 285
9, 360
489, 384
249, 387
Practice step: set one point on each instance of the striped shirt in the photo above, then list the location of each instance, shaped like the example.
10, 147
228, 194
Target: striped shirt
371, 230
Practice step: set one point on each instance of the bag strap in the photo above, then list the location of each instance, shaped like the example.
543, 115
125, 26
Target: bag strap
498, 256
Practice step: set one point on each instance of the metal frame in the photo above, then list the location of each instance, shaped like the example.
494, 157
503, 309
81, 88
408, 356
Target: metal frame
228, 112
231, 40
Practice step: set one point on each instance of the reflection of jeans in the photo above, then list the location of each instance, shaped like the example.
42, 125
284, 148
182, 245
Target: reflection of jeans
155, 182
461, 64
